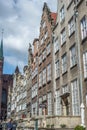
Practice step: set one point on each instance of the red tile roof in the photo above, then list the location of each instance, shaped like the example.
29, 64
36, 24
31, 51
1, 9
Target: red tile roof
54, 16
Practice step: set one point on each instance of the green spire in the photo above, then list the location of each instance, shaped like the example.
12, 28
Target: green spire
1, 48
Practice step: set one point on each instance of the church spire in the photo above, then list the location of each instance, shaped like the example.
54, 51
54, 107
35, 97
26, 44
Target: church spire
1, 47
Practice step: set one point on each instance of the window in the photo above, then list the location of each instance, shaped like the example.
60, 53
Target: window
56, 45
40, 109
65, 89
63, 36
48, 49
49, 104
23, 106
62, 14
34, 90
57, 69
43, 24
71, 26
44, 76
46, 35
40, 59
4, 96
73, 56
75, 98
40, 79
24, 95
58, 103
42, 40
49, 72
34, 108
84, 27
64, 63
44, 54
86, 99
44, 98
85, 64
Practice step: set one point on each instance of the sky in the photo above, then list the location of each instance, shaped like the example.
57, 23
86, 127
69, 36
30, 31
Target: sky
20, 20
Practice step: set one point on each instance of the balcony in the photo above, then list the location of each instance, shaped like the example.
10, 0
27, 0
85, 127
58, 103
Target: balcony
65, 92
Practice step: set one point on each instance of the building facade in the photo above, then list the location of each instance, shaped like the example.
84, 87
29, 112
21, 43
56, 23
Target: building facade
56, 76
19, 95
45, 71
34, 88
69, 33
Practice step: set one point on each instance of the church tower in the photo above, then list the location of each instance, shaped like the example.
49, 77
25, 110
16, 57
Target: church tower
1, 69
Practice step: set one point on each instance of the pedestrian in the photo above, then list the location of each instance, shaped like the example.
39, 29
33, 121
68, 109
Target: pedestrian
0, 125
14, 125
10, 125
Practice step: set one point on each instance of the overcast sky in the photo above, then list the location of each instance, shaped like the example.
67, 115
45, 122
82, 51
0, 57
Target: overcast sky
20, 20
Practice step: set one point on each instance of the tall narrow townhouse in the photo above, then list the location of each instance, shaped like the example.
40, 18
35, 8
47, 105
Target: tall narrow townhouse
14, 94
29, 81
68, 56
19, 96
34, 89
45, 53
81, 23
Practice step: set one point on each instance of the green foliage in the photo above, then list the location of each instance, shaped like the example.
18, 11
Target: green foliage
78, 127
63, 125
48, 126
52, 126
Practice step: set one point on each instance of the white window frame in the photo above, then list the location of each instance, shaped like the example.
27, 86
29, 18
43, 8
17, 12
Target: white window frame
63, 36
44, 76
75, 98
56, 45
45, 35
71, 26
64, 63
40, 59
85, 64
84, 27
40, 79
65, 89
49, 72
57, 67
48, 48
49, 103
42, 40
73, 56
40, 109
58, 103
44, 54
62, 14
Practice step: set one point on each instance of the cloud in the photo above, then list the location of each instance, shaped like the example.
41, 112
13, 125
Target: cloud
21, 22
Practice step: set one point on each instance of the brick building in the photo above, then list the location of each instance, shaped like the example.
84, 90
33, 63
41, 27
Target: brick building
45, 54
34, 88
6, 81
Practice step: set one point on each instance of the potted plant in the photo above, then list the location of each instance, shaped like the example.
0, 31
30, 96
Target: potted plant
78, 127
52, 126
63, 125
48, 125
